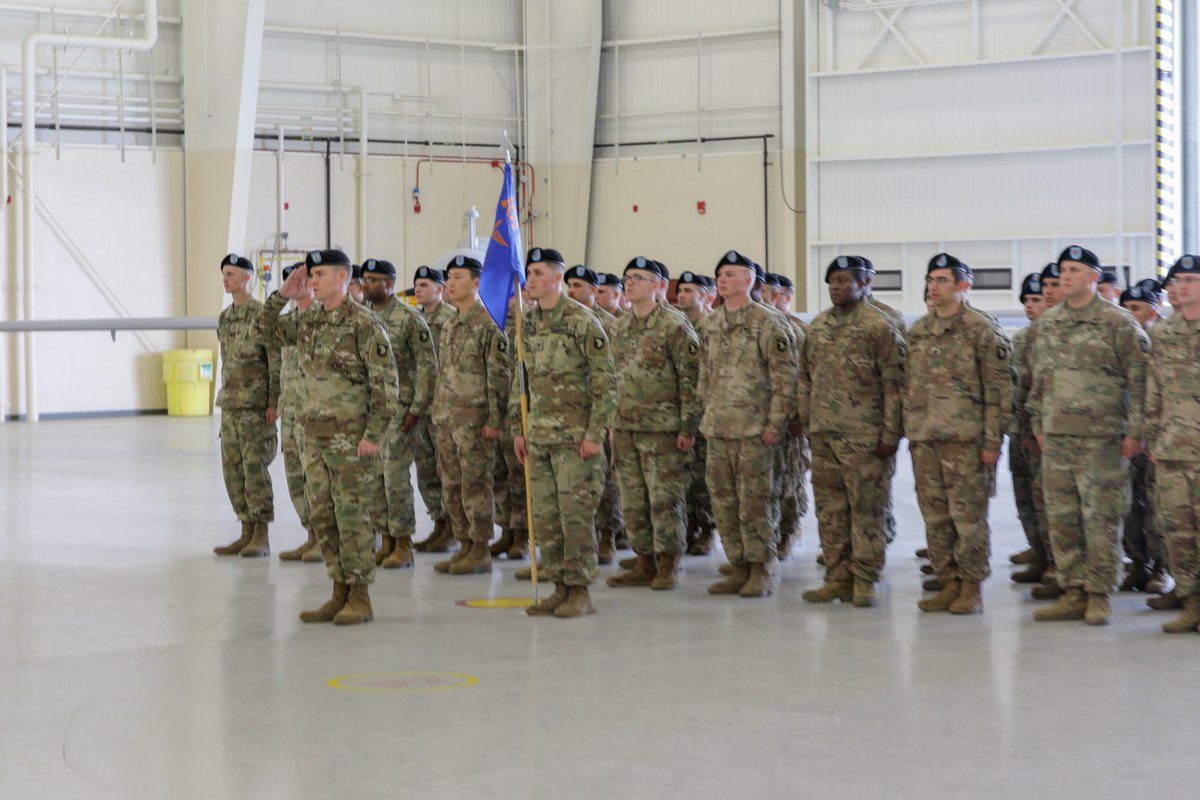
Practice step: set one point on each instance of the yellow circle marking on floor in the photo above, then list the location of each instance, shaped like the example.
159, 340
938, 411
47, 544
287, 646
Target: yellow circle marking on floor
401, 681
497, 602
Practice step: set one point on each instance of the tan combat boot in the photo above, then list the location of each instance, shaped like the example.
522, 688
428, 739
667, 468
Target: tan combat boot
726, 568
943, 599
502, 544
1032, 573
734, 583
628, 563
1071, 605
577, 604
927, 569
832, 590
546, 606
313, 555
358, 607
1136, 576
386, 546
1187, 621
641, 574
477, 560
1026, 556
235, 547
1098, 610
969, 600
761, 582
703, 543
666, 572
298, 553
440, 541
921, 552
1048, 589
931, 585
607, 549
401, 556
864, 593
260, 543
524, 574
519, 549
332, 606
444, 566
1166, 602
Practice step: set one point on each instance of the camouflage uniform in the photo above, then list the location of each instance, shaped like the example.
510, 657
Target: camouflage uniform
1173, 432
897, 319
571, 398
699, 504
509, 481
609, 519
416, 367
249, 385
779, 469
474, 375
850, 401
291, 400
350, 388
1027, 441
796, 460
957, 402
747, 386
424, 436
1089, 384
657, 359
1022, 463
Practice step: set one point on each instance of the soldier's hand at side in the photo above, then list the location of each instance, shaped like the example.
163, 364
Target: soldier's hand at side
1153, 458
989, 457
770, 438
292, 286
489, 433
886, 450
589, 449
1130, 447
684, 443
272, 414
519, 448
1041, 441
408, 423
365, 448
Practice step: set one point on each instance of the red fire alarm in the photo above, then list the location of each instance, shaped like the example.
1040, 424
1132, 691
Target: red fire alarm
635, 208
701, 207
286, 206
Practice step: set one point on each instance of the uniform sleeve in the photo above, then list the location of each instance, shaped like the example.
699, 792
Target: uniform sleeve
804, 384
517, 387
889, 360
1132, 346
421, 343
776, 348
1037, 356
801, 337
702, 376
603, 382
499, 374
994, 356
278, 331
271, 352
1153, 405
685, 355
383, 383
905, 400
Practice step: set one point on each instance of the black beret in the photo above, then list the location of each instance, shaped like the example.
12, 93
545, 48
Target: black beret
771, 279
641, 262
947, 261
785, 282
355, 272
1110, 277
429, 274
608, 279
867, 264
379, 266
1081, 255
1051, 270
329, 257
1140, 293
464, 262
582, 273
687, 276
234, 260
710, 282
733, 257
541, 254
663, 272
1150, 285
289, 270
845, 262
1032, 284
1186, 264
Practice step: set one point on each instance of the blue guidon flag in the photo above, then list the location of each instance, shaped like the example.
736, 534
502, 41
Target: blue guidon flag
505, 257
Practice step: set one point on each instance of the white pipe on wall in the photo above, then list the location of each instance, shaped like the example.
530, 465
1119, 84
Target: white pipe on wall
28, 127
3, 230
361, 238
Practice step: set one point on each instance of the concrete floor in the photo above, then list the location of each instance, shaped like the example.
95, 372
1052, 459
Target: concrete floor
135, 664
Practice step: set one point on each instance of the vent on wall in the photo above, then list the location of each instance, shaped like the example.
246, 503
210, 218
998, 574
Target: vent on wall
888, 280
994, 279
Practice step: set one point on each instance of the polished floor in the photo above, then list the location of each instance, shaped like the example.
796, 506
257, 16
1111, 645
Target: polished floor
134, 664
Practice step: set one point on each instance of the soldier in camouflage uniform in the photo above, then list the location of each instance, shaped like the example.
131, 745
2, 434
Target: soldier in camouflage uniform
582, 285
748, 390
428, 288
1140, 539
957, 402
898, 320
657, 359
571, 402
416, 367
690, 294
796, 455
291, 400
1173, 431
248, 399
1086, 407
609, 292
1019, 463
351, 401
467, 414
509, 483
850, 406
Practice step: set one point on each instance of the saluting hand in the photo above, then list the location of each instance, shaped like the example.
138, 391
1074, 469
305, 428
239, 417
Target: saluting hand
292, 286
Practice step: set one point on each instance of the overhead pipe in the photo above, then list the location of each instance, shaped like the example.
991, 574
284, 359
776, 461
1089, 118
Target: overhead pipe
28, 126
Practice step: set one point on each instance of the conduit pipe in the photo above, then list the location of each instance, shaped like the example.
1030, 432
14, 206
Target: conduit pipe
28, 127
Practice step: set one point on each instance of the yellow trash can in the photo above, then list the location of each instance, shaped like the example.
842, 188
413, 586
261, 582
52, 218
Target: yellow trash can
189, 377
